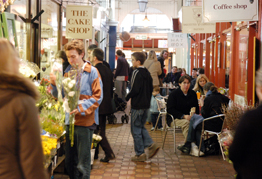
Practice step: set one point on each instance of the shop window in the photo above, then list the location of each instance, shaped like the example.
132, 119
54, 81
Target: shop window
228, 59
49, 34
21, 37
204, 55
19, 8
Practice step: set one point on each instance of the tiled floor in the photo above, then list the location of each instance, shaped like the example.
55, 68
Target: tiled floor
166, 164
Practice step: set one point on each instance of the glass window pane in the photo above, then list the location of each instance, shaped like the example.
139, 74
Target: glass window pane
21, 38
49, 34
19, 8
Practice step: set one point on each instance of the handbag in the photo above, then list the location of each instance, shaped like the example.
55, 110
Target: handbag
212, 146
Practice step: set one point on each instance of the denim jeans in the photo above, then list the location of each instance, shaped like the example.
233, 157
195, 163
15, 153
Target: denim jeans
154, 117
194, 135
78, 157
141, 137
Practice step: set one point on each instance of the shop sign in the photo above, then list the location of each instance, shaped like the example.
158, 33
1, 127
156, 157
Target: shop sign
79, 22
192, 21
230, 11
177, 40
141, 37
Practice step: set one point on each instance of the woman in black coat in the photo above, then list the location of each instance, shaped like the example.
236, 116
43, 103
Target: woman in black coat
245, 151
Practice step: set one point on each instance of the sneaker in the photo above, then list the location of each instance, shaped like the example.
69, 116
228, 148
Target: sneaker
194, 152
152, 128
139, 158
152, 150
161, 129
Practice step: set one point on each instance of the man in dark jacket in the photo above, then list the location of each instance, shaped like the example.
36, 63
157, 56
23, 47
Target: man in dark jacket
105, 107
121, 75
173, 76
140, 94
89, 54
180, 102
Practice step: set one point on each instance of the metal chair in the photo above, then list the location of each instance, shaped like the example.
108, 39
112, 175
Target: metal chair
162, 111
212, 132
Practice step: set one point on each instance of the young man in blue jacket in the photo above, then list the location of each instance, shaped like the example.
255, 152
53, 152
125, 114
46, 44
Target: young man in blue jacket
140, 94
78, 156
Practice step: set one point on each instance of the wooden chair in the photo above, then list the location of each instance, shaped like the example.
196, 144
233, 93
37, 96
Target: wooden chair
212, 132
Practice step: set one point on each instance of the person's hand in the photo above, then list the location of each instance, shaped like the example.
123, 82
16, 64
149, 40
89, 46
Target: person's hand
75, 111
52, 78
201, 102
187, 117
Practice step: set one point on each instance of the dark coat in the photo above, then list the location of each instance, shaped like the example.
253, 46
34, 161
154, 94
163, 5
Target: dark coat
106, 64
172, 77
213, 106
122, 68
178, 104
107, 80
245, 151
141, 89
161, 60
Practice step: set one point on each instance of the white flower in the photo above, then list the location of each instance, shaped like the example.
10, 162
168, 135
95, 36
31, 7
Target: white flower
71, 84
71, 93
99, 138
49, 105
65, 106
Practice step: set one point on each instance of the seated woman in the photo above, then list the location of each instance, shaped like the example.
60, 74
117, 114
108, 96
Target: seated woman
211, 106
180, 102
200, 82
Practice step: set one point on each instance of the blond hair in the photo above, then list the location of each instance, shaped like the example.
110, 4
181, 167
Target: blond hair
197, 86
152, 55
8, 53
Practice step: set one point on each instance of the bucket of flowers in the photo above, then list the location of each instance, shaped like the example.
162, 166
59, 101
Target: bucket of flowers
96, 139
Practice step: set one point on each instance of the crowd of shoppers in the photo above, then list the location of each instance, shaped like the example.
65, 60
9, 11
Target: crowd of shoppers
18, 97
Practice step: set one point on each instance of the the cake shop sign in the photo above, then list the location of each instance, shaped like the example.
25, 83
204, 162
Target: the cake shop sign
79, 22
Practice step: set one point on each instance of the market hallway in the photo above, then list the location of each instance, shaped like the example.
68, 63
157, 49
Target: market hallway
166, 164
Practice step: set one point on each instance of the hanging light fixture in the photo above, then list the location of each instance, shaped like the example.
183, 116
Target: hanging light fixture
146, 19
142, 5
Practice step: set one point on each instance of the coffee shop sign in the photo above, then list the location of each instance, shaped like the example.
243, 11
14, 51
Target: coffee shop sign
79, 22
230, 11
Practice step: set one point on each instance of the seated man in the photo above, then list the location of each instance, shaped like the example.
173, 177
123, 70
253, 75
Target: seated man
211, 106
173, 76
180, 102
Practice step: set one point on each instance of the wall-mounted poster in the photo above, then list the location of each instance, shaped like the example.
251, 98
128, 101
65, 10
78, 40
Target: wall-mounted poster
192, 21
9, 29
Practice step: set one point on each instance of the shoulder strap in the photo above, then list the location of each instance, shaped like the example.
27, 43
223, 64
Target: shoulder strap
150, 65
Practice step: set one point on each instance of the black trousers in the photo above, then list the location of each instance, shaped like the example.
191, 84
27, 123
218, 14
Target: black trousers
101, 130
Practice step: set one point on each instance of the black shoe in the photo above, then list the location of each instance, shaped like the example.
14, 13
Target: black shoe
184, 149
106, 159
